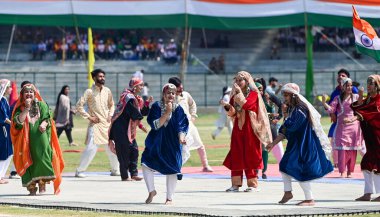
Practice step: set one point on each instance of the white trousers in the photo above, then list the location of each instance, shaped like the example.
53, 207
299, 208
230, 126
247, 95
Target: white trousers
370, 180
4, 164
278, 151
306, 187
171, 182
222, 122
90, 152
197, 143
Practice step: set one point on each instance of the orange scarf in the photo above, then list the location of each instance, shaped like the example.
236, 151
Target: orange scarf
20, 139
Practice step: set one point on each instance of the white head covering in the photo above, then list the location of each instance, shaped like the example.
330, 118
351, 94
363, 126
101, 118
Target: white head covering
314, 116
4, 83
344, 81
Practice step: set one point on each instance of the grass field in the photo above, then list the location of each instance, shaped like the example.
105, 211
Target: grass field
11, 211
216, 149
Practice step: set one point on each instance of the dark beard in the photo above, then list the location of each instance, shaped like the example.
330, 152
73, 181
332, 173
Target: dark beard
100, 82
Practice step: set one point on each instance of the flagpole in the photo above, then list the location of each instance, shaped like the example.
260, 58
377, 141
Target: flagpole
309, 55
185, 45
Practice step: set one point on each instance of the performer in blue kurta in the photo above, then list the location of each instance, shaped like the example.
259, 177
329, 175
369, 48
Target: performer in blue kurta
163, 145
307, 153
6, 150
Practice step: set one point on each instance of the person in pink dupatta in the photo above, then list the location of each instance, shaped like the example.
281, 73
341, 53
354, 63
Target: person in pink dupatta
122, 134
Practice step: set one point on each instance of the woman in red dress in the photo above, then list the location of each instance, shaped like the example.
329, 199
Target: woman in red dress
251, 129
368, 113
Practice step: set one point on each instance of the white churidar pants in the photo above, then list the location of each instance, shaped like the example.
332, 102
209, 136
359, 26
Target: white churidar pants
306, 187
171, 182
4, 164
90, 152
371, 180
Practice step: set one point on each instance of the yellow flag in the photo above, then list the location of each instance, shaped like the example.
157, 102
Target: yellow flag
91, 58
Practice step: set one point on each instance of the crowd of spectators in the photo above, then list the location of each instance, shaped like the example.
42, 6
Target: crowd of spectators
127, 45
294, 38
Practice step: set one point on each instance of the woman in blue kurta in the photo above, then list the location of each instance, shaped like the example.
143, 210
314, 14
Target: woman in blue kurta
5, 123
163, 145
307, 153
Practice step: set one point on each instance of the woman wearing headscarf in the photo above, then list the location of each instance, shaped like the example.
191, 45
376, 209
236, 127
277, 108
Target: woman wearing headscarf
122, 134
63, 114
39, 159
367, 112
251, 129
163, 145
308, 150
347, 135
5, 123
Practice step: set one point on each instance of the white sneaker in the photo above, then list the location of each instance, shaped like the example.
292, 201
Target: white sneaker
80, 174
115, 173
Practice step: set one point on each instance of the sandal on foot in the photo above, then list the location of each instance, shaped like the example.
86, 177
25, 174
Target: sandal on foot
252, 189
232, 189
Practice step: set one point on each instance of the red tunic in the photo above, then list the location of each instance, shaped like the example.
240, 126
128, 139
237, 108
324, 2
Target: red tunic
245, 147
370, 125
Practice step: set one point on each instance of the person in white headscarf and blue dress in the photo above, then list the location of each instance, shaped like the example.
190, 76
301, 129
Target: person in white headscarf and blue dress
307, 153
6, 150
163, 145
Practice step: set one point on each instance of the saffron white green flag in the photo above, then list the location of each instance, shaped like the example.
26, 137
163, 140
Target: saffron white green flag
366, 40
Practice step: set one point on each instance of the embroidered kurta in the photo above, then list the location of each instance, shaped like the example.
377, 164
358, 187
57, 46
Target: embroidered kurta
188, 104
347, 136
41, 151
304, 158
163, 152
369, 114
100, 104
245, 147
5, 135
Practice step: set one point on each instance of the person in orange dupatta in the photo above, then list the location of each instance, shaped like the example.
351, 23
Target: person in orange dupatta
39, 157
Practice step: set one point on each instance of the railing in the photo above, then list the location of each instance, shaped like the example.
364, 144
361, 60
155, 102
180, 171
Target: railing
206, 89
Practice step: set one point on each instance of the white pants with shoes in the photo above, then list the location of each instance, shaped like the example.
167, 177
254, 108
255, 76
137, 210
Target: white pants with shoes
4, 164
171, 182
371, 180
306, 187
90, 152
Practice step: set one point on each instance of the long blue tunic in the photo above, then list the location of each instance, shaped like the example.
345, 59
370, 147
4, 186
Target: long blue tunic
304, 158
5, 134
163, 152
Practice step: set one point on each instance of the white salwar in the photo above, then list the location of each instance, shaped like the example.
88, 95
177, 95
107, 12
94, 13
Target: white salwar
371, 182
171, 182
306, 187
90, 152
4, 164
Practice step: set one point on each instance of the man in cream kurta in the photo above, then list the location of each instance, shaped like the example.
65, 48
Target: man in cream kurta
100, 110
186, 101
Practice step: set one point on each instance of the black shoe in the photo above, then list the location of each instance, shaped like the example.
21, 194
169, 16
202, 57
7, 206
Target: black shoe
264, 176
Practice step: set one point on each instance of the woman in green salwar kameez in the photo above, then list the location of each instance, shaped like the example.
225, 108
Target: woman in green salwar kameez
32, 121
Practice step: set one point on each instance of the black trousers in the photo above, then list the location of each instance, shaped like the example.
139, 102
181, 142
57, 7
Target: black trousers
67, 131
128, 155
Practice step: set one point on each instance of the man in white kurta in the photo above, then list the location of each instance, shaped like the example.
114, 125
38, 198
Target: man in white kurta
100, 110
186, 101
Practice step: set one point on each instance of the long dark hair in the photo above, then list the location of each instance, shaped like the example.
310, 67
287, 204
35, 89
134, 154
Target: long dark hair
59, 95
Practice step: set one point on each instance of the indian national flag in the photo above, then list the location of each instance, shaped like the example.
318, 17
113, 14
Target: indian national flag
366, 40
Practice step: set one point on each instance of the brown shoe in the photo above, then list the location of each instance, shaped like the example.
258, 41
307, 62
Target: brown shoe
136, 178
127, 180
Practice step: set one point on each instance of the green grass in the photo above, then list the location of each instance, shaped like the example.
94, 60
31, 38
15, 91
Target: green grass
216, 149
34, 212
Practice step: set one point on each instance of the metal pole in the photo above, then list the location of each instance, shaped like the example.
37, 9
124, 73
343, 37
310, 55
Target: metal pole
204, 37
10, 43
